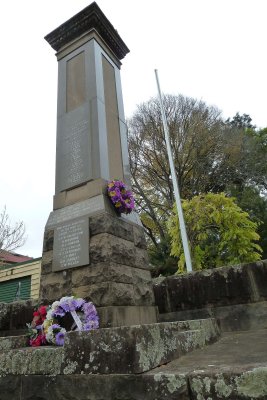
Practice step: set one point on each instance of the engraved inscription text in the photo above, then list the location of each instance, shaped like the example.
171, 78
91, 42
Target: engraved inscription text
71, 244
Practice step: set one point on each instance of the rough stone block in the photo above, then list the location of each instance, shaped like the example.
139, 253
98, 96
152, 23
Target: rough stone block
106, 223
141, 276
48, 240
40, 360
105, 247
139, 237
102, 272
10, 387
13, 342
21, 313
102, 387
132, 349
224, 286
161, 295
108, 293
141, 258
55, 285
234, 384
118, 273
144, 294
126, 315
257, 274
47, 260
110, 272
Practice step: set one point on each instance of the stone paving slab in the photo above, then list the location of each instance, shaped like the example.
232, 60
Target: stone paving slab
234, 368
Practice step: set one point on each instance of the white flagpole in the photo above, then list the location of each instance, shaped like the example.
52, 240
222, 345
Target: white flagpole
175, 184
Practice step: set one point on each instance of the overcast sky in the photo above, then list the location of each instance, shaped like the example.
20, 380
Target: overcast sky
214, 50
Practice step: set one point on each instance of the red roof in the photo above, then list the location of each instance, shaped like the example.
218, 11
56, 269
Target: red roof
13, 258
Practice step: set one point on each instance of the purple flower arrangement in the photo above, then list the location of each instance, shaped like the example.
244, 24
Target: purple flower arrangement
120, 197
84, 316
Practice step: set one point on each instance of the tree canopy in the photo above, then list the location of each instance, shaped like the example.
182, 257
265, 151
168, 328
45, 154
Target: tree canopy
196, 143
219, 233
211, 155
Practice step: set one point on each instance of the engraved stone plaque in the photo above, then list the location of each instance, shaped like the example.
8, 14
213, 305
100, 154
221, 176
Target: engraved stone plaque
73, 166
87, 207
71, 244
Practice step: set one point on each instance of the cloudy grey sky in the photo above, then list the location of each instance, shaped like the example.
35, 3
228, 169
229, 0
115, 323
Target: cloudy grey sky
214, 50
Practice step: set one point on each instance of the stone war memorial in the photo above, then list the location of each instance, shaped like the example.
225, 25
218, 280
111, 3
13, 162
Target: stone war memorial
136, 347
88, 249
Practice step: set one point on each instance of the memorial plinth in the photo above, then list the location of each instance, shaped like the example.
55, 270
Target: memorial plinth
89, 250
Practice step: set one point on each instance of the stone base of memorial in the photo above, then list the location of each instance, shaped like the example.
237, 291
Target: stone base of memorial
91, 253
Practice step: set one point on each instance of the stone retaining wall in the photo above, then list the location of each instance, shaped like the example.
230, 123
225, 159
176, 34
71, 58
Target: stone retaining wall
236, 296
239, 284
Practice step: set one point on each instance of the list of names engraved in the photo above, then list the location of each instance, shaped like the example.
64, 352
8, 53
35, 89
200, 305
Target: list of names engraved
75, 159
71, 244
73, 164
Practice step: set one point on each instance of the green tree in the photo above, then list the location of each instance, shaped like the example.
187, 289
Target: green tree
211, 155
219, 233
241, 121
249, 167
251, 200
195, 134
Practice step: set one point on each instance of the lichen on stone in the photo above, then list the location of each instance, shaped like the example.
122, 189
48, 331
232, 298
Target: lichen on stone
222, 389
252, 384
197, 387
158, 377
175, 382
207, 383
91, 357
5, 344
105, 347
152, 350
70, 368
29, 361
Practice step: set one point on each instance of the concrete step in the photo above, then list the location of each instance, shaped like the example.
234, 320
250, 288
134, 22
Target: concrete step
13, 342
237, 317
44, 360
231, 384
123, 350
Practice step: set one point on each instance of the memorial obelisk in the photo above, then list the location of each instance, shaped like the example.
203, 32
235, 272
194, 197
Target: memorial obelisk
89, 250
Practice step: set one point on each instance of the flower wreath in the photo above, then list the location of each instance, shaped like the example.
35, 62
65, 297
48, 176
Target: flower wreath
121, 198
45, 327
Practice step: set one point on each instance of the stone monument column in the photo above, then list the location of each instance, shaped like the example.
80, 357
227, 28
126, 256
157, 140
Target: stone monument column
89, 250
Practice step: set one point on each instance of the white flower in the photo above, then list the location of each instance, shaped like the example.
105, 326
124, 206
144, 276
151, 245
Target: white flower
49, 315
54, 305
50, 336
66, 298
